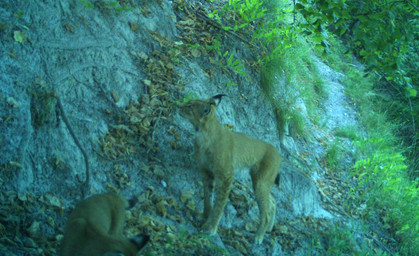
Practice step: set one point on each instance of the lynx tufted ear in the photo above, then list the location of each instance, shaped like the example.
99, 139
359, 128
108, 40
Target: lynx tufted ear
217, 99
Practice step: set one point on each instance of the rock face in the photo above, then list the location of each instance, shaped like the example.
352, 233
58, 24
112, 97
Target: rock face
119, 72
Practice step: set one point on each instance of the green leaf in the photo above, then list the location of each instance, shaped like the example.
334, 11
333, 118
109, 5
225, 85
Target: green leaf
363, 53
363, 19
299, 6
19, 36
412, 92
87, 4
230, 59
235, 63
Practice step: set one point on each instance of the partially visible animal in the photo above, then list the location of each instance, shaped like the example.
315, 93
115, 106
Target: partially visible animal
95, 228
219, 152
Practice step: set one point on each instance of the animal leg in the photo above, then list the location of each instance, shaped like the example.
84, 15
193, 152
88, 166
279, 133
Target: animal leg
262, 198
263, 178
208, 181
222, 191
272, 213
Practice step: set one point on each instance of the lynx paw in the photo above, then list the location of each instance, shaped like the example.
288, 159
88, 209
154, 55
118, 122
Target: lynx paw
271, 218
258, 240
210, 229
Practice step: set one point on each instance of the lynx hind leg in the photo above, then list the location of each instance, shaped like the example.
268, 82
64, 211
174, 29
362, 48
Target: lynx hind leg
262, 186
272, 213
262, 195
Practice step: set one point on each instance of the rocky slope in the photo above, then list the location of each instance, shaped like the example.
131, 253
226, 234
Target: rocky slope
119, 73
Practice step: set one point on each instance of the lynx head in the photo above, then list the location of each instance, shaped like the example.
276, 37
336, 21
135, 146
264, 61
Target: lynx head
198, 112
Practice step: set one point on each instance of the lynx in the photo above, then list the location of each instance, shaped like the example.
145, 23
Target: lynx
219, 152
95, 227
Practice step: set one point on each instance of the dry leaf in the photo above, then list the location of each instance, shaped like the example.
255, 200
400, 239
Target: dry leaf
196, 53
191, 205
155, 102
34, 230
52, 200
147, 82
170, 66
133, 26
185, 195
12, 102
173, 144
114, 97
159, 172
142, 55
189, 22
250, 226
69, 28
283, 229
161, 208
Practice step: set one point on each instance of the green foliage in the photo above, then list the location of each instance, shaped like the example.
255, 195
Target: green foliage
295, 72
106, 5
189, 96
227, 61
87, 4
19, 14
289, 117
275, 33
183, 243
334, 154
234, 65
383, 34
248, 11
319, 86
340, 240
242, 14
381, 177
350, 132
216, 46
380, 168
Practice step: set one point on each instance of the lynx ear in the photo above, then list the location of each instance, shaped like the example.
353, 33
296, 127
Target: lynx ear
217, 99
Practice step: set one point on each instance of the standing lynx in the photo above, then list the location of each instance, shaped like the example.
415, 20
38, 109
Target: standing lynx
219, 152
95, 228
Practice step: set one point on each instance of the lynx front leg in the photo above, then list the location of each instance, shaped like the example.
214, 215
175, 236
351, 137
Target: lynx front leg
208, 181
222, 191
